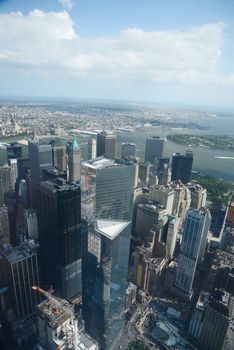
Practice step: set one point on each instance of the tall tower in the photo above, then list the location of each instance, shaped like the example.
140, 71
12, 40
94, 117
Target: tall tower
108, 188
128, 150
106, 144
92, 148
74, 160
192, 249
40, 156
182, 166
59, 232
154, 148
105, 280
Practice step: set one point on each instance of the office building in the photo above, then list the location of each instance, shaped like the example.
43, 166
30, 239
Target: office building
154, 148
182, 166
92, 148
3, 154
14, 171
105, 281
4, 225
182, 199
74, 161
172, 231
210, 320
59, 155
31, 221
128, 150
106, 144
198, 196
144, 173
107, 188
5, 183
59, 225
163, 195
20, 265
192, 249
40, 156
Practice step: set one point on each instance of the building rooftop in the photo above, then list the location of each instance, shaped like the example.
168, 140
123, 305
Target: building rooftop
59, 185
14, 254
110, 228
104, 162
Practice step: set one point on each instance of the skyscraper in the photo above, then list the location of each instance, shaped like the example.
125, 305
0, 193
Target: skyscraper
74, 161
182, 166
128, 150
106, 144
14, 171
192, 248
59, 154
40, 156
107, 189
154, 148
4, 225
5, 182
105, 280
59, 222
92, 148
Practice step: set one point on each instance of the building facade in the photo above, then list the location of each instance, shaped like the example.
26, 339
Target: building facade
182, 166
106, 144
74, 162
105, 280
154, 148
128, 150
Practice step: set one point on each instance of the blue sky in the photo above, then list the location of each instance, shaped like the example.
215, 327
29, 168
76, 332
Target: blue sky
170, 51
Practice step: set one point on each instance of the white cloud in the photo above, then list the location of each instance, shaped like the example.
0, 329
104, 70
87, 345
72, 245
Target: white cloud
67, 4
47, 43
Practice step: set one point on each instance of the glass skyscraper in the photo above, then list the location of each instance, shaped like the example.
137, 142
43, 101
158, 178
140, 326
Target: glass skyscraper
182, 166
105, 269
154, 148
192, 248
59, 224
107, 189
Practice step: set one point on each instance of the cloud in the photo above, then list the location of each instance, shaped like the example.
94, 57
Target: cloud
47, 43
67, 4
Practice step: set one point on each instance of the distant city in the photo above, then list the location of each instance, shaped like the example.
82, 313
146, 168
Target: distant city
109, 244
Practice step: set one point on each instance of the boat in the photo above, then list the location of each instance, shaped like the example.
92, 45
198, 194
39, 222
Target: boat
228, 158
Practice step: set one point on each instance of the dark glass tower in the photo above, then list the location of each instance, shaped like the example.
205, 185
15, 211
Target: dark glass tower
154, 148
106, 144
40, 156
105, 280
59, 224
182, 166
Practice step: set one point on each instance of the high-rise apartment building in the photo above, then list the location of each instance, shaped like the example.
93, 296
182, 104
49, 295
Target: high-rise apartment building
59, 227
128, 150
92, 148
182, 166
107, 189
20, 265
105, 280
154, 148
192, 248
40, 156
74, 161
210, 320
106, 144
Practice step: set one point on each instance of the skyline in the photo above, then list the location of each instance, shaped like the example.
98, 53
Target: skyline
145, 53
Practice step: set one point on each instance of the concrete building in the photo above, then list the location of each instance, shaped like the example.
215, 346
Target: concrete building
182, 199
130, 295
5, 183
172, 231
192, 249
4, 226
210, 320
59, 329
144, 173
128, 150
163, 195
105, 280
14, 171
32, 226
92, 148
154, 148
74, 162
21, 272
198, 196
106, 143
59, 154
107, 189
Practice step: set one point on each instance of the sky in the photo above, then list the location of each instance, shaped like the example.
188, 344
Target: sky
162, 51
